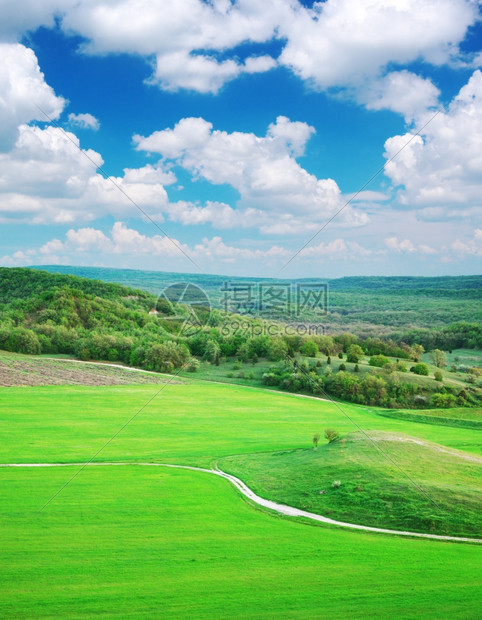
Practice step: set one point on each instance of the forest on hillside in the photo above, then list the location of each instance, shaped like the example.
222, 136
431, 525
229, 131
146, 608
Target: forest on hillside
368, 306
44, 313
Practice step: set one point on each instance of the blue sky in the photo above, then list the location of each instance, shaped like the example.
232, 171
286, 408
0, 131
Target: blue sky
241, 128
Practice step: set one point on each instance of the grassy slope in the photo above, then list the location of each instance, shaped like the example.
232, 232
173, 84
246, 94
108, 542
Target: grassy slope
233, 371
372, 491
192, 423
134, 542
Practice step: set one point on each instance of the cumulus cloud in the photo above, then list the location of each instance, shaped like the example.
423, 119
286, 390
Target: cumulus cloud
471, 247
84, 121
344, 42
128, 242
26, 15
405, 246
263, 170
184, 36
24, 94
47, 177
400, 91
195, 44
443, 166
338, 248
201, 73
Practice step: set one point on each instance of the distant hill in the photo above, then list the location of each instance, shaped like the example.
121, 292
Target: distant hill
368, 304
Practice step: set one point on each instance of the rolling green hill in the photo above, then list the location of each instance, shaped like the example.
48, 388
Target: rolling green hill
364, 304
364, 479
148, 541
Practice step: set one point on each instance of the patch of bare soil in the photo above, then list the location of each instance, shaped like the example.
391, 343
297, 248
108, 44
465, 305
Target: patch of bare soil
16, 370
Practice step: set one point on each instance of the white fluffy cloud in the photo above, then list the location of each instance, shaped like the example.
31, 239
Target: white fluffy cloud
338, 248
400, 91
128, 242
264, 171
405, 246
344, 42
336, 43
471, 247
24, 94
47, 178
184, 36
125, 242
443, 166
84, 121
25, 15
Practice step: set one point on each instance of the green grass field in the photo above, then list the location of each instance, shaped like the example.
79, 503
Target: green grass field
138, 542
371, 489
149, 542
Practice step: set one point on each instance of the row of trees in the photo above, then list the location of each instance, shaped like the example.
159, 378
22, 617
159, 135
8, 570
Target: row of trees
112, 323
371, 389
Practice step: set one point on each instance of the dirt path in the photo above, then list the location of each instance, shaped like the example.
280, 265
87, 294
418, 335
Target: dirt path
283, 509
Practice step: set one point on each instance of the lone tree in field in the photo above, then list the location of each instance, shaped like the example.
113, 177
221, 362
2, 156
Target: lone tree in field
438, 358
354, 353
416, 352
316, 439
331, 435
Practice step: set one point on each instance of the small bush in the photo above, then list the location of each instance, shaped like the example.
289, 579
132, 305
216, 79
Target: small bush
438, 376
310, 349
331, 435
357, 368
194, 365
421, 369
342, 367
336, 484
379, 360
443, 400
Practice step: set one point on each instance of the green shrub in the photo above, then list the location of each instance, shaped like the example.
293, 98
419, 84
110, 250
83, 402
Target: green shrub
443, 400
331, 435
379, 361
354, 353
438, 376
420, 369
310, 349
193, 365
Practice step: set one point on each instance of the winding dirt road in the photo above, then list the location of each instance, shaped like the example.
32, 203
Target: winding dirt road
289, 511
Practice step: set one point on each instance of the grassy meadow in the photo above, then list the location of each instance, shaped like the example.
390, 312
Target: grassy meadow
154, 542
